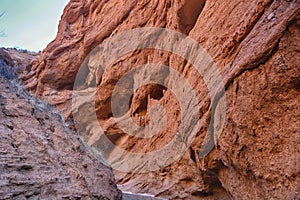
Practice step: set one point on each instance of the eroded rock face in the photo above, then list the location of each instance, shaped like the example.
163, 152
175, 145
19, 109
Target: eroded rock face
18, 61
255, 45
259, 142
40, 157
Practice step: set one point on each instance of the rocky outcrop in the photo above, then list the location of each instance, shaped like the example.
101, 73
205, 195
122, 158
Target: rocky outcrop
18, 61
255, 46
40, 158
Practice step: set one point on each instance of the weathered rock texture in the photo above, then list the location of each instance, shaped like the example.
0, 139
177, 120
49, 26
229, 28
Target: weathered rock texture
255, 45
40, 158
18, 61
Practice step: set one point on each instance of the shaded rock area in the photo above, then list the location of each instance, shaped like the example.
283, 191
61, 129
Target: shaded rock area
255, 45
40, 158
18, 61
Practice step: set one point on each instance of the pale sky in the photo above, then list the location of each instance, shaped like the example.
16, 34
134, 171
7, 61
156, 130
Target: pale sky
29, 24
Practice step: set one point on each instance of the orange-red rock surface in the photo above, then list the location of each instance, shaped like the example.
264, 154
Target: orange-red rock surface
255, 45
40, 157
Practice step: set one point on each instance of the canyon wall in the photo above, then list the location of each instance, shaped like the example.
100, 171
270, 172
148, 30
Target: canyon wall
40, 157
255, 46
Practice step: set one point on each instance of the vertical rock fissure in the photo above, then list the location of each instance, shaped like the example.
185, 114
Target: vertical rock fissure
189, 14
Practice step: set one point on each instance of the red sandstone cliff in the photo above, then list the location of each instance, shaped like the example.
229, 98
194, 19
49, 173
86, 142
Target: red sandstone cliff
255, 45
40, 157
